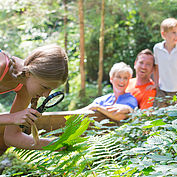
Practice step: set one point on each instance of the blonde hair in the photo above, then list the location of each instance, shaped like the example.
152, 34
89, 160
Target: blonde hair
49, 62
118, 67
168, 24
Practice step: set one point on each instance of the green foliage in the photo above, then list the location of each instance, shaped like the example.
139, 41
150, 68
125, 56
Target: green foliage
11, 165
145, 145
6, 101
81, 102
75, 126
130, 26
74, 146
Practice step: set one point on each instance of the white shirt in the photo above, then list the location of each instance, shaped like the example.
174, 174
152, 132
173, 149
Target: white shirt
167, 63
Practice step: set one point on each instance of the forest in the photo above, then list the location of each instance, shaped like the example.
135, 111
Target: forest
95, 35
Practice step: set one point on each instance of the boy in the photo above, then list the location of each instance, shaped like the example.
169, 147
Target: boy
165, 54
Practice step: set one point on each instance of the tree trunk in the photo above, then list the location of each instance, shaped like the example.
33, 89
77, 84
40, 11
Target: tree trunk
101, 51
66, 39
82, 71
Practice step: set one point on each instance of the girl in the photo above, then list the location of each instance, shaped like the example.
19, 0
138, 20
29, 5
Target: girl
44, 70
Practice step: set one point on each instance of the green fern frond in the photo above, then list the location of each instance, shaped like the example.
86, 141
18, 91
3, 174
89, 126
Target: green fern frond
62, 162
75, 127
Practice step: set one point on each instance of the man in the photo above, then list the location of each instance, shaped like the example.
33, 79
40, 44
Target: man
141, 86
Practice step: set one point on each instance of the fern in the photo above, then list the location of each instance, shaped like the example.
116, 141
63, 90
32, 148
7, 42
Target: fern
143, 146
64, 161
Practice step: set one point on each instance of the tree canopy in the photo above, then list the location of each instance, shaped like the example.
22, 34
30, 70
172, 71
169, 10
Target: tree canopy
129, 27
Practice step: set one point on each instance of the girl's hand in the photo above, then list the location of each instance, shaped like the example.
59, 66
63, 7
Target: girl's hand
26, 117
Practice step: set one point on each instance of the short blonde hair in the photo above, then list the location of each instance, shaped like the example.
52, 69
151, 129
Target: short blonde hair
118, 67
168, 24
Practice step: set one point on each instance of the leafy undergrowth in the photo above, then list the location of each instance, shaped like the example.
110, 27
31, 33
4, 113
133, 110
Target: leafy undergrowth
12, 165
145, 145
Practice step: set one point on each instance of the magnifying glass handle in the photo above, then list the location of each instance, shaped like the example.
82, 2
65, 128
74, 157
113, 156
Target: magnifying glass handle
39, 109
22, 126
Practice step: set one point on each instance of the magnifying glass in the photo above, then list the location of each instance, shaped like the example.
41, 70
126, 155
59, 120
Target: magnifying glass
49, 102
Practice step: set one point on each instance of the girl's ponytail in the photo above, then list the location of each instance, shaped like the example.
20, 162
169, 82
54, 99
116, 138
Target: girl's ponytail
12, 64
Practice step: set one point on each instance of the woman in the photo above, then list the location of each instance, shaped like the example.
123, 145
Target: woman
116, 105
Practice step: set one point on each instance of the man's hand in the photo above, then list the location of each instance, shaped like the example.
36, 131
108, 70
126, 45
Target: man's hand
151, 87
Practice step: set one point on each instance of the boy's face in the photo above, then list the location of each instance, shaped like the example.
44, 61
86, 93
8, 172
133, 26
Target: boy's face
170, 36
120, 81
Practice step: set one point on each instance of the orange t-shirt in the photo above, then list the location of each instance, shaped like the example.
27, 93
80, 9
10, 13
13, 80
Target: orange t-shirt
144, 97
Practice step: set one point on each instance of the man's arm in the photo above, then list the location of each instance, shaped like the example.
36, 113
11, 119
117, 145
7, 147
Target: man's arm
156, 79
156, 76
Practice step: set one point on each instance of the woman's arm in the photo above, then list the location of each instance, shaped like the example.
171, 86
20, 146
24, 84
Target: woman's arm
117, 113
120, 108
13, 135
